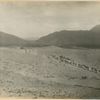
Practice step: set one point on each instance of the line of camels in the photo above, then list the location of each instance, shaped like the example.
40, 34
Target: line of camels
70, 61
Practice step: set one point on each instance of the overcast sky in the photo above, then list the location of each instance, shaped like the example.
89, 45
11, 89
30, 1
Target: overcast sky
35, 19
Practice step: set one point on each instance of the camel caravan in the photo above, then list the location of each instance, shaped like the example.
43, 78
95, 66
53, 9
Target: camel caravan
29, 50
25, 50
67, 60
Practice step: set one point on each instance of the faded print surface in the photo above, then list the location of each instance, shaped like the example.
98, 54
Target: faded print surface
50, 49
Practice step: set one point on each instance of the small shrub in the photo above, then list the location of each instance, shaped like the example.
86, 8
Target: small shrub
21, 47
84, 77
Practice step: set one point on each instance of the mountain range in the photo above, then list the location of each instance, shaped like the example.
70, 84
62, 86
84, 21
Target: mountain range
64, 38
73, 38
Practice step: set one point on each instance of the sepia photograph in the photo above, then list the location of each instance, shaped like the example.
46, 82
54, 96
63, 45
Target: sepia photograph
50, 49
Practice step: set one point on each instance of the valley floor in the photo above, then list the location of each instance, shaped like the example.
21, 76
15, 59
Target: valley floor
35, 73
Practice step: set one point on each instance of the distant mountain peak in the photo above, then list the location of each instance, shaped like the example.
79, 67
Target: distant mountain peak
96, 28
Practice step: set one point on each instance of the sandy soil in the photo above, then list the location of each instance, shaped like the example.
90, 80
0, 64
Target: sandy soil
34, 73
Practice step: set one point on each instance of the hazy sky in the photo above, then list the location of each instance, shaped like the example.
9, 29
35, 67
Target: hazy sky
35, 19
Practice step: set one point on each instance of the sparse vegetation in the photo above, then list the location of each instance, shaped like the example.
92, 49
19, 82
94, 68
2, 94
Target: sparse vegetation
50, 73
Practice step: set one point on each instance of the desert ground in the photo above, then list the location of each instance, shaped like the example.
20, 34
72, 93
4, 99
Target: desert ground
49, 72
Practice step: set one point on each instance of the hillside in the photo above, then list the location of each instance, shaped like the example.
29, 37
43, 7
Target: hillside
96, 28
64, 38
10, 40
73, 39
